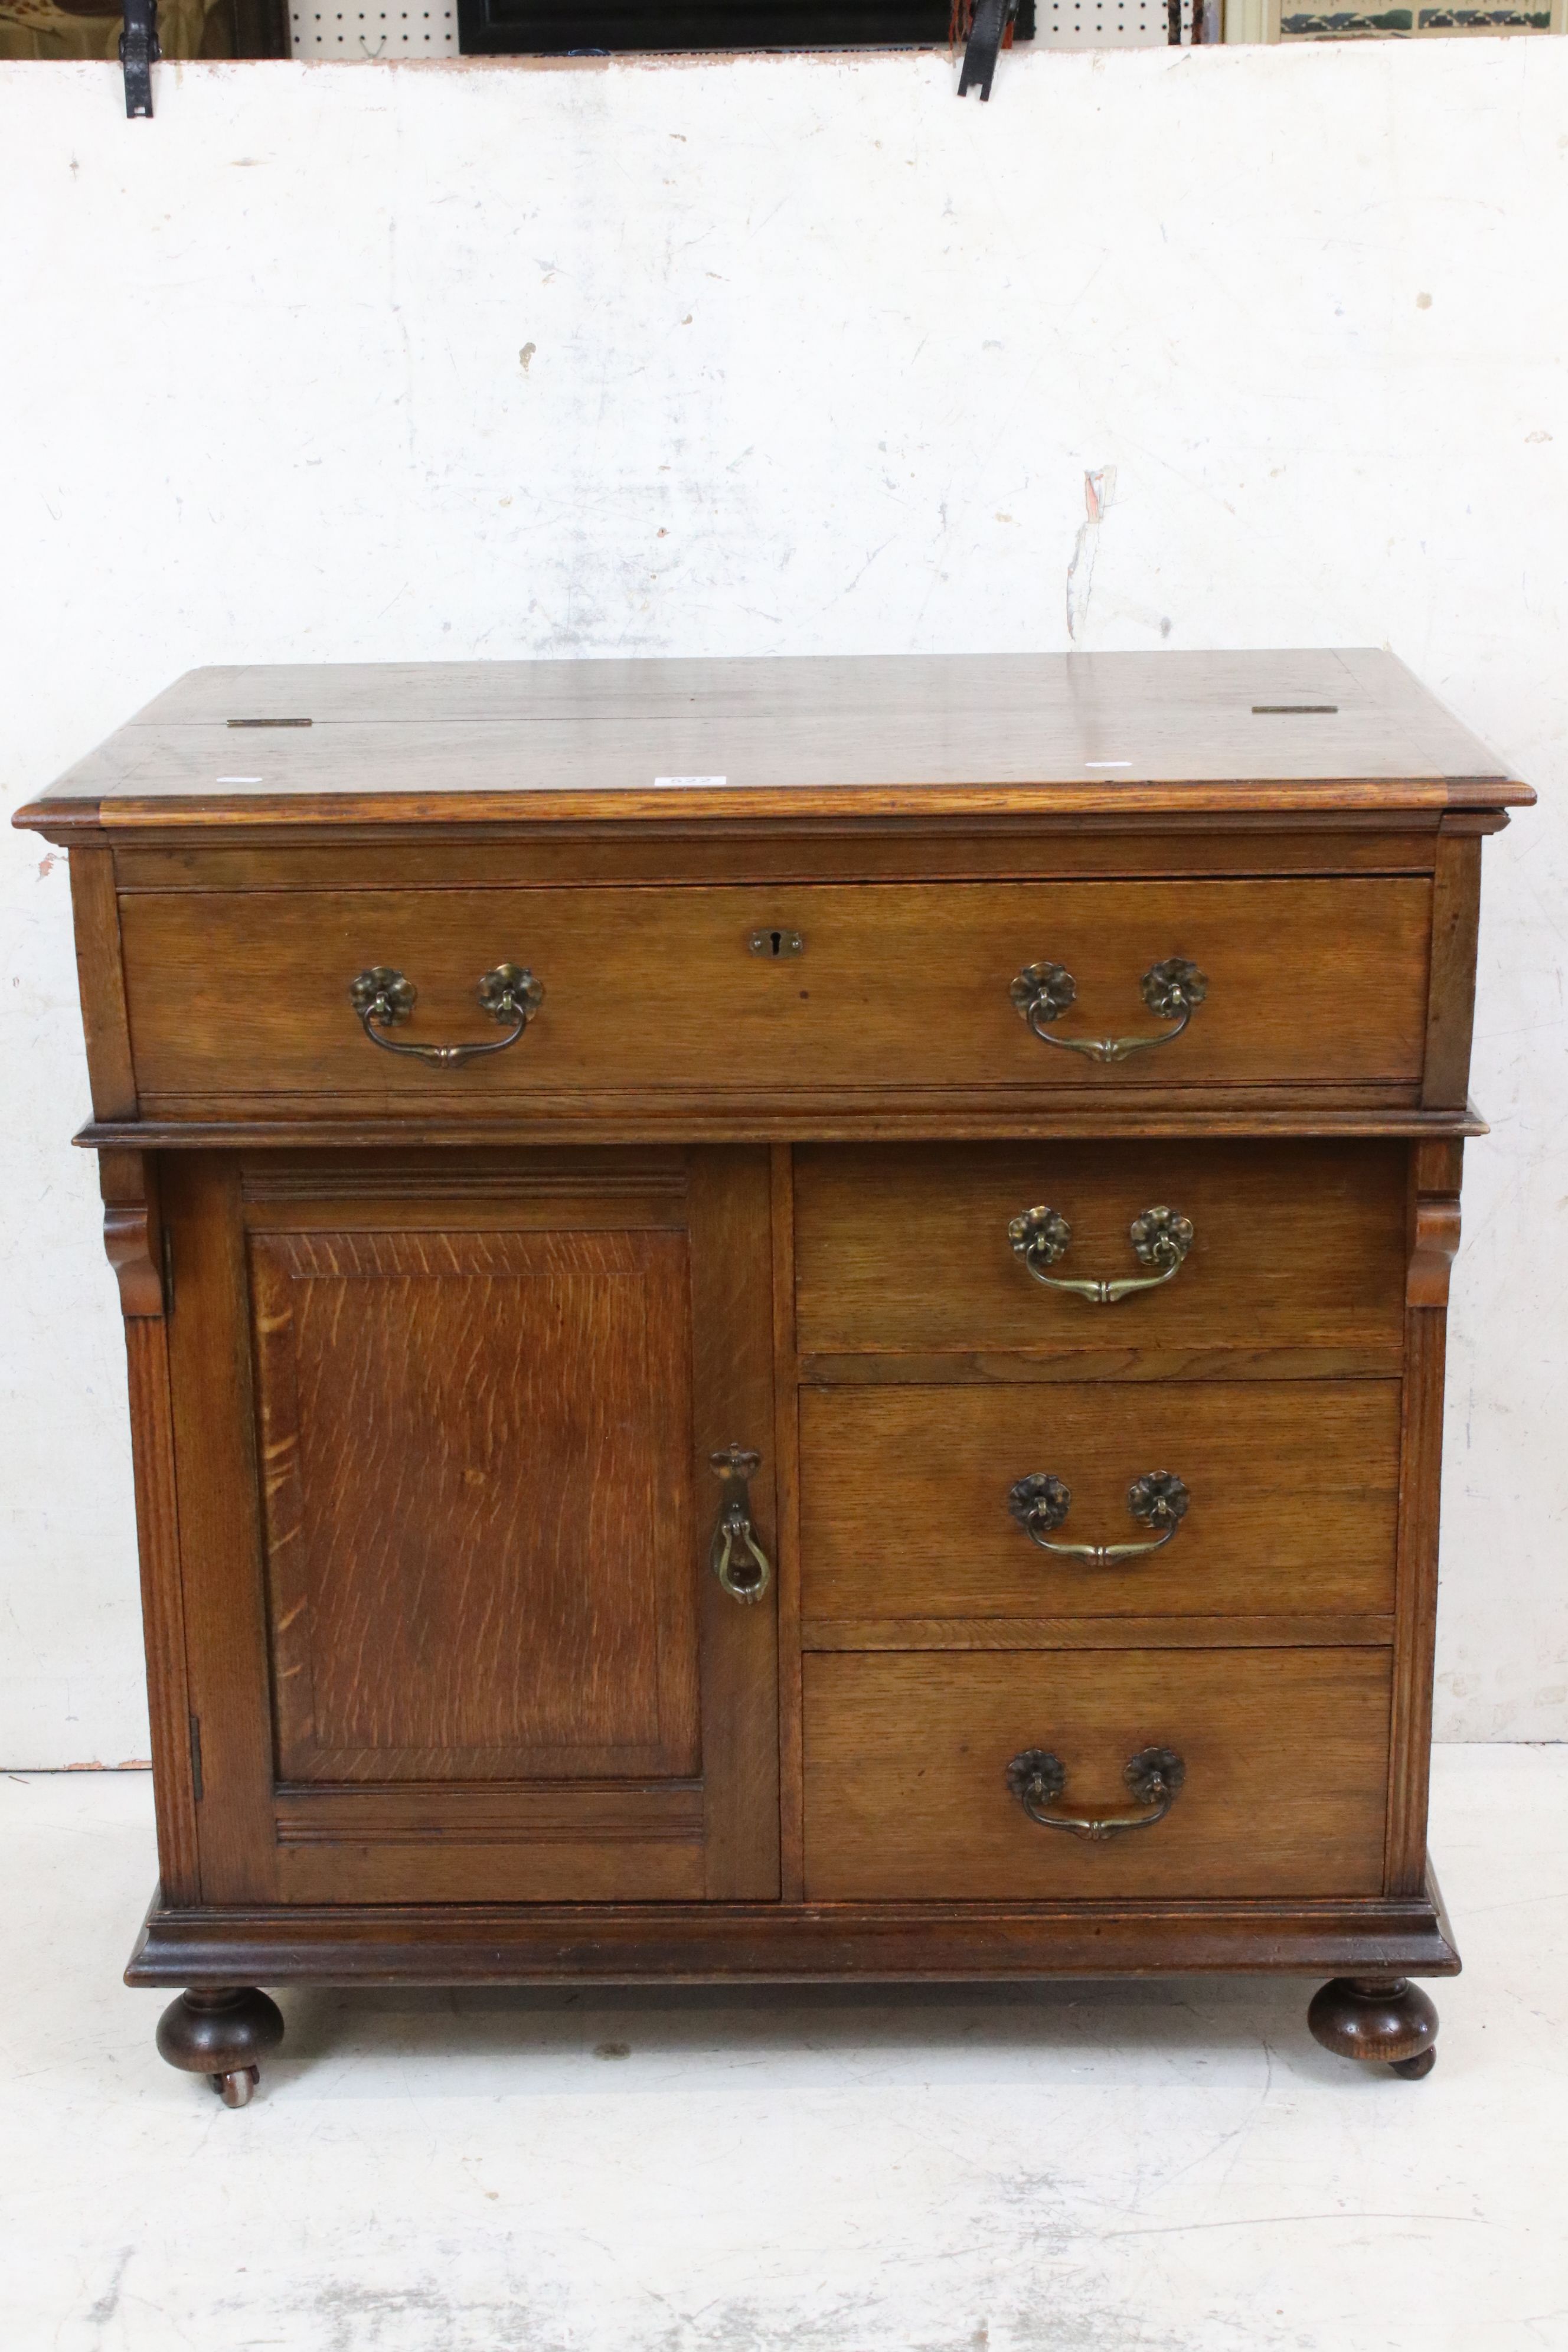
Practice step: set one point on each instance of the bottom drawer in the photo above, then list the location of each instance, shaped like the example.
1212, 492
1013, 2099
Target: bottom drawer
1284, 1757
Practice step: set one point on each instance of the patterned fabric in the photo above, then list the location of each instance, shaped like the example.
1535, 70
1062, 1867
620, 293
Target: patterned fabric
47, 28
1400, 24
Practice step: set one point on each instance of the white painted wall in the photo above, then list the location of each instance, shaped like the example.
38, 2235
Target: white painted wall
818, 360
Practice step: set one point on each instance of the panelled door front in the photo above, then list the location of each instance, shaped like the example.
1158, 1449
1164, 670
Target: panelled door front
444, 1428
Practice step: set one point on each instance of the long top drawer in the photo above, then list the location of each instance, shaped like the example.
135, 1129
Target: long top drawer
796, 991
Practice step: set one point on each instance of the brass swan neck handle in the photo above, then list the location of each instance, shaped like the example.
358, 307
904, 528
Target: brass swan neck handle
1160, 1238
383, 996
735, 1555
1171, 989
1040, 1502
1154, 1777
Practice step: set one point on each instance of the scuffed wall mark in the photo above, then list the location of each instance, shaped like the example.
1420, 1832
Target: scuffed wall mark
1098, 490
107, 2303
345, 2317
47, 864
524, 356
853, 583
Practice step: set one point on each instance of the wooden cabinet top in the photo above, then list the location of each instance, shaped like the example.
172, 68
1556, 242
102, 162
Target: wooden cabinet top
947, 736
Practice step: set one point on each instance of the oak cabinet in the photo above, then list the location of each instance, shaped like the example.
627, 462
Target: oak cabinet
785, 1319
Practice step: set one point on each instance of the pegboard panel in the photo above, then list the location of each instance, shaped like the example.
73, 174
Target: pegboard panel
1101, 24
353, 34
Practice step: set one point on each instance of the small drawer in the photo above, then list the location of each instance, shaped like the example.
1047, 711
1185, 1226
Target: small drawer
912, 1507
896, 988
943, 1247
921, 1770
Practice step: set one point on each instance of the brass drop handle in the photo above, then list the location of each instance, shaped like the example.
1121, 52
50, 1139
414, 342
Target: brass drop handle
1040, 1503
1160, 1238
1172, 991
382, 997
735, 1555
1154, 1776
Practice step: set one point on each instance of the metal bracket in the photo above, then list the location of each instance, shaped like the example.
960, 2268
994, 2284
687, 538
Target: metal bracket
990, 27
139, 53
736, 1558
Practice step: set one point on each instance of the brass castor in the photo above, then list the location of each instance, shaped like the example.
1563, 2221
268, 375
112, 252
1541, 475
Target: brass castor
223, 2035
1383, 2020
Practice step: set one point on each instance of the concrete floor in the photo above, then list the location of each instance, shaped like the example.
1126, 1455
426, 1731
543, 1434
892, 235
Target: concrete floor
1170, 2167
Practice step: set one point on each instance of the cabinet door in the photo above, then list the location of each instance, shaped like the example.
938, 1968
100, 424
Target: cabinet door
444, 1426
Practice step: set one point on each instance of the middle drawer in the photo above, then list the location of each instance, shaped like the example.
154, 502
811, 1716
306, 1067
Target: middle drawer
1288, 1244
933, 1503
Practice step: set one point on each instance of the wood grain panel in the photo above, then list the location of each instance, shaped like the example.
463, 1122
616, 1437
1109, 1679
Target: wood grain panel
1106, 849
479, 1524
101, 981
480, 1440
729, 1115
1417, 1600
783, 1943
1070, 1366
527, 1189
510, 1843
1293, 1512
162, 1608
786, 1422
1434, 1179
732, 1385
444, 1870
900, 986
1286, 1754
224, 1571
1085, 731
1054, 708
1096, 1632
1295, 1244
1456, 930
312, 820
576, 1814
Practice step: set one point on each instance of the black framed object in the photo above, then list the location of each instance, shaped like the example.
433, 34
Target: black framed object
569, 27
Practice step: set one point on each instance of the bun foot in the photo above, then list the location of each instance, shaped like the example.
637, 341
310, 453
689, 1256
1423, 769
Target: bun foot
223, 2035
1377, 2020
